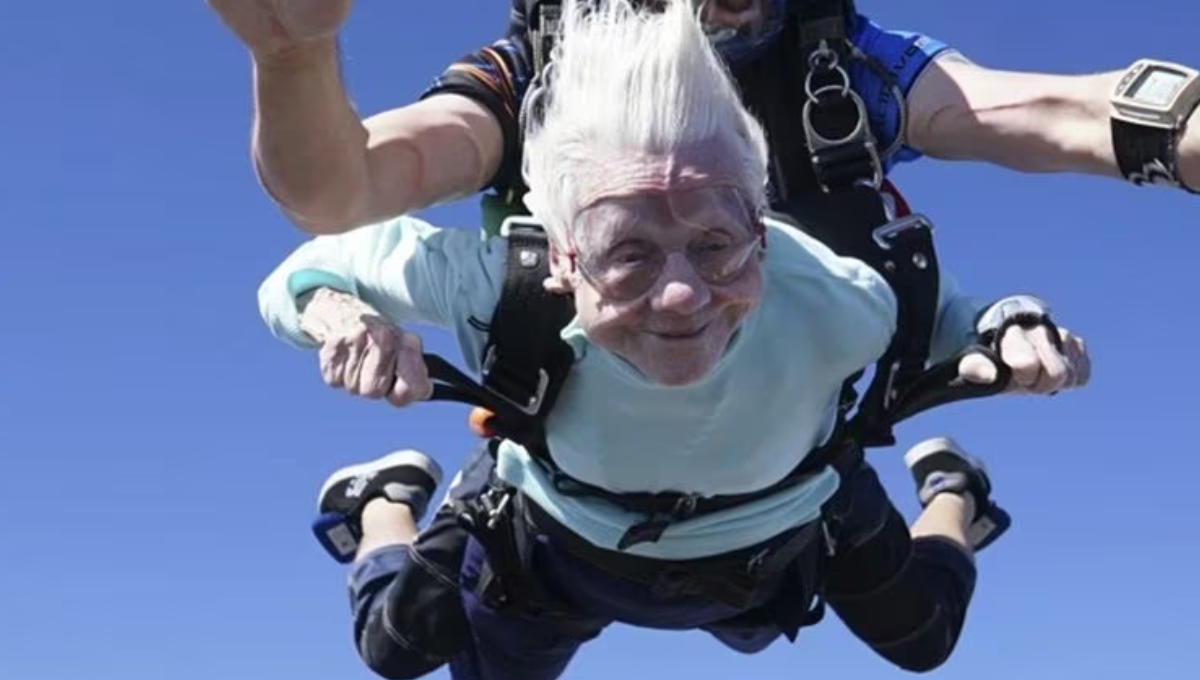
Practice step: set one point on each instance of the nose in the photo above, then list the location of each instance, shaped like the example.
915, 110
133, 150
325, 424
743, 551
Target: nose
679, 289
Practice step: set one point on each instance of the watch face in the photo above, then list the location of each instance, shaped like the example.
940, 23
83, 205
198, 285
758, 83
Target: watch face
1157, 87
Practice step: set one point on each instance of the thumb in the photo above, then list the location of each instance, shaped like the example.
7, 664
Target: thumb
978, 369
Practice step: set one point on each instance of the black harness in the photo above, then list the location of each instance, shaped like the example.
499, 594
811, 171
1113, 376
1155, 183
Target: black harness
826, 179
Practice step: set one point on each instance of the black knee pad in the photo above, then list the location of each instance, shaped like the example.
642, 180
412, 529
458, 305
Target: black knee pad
906, 599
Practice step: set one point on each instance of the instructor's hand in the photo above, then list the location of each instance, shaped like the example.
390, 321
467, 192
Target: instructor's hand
270, 27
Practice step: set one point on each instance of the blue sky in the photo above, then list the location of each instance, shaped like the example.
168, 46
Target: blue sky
160, 452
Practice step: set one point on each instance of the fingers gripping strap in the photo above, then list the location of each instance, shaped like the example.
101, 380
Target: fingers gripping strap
1028, 321
941, 384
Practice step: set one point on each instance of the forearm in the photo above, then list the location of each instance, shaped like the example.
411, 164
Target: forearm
1024, 121
439, 149
309, 145
332, 172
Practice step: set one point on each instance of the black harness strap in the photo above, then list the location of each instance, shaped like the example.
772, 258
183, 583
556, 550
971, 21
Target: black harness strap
821, 21
524, 359
497, 520
837, 133
525, 362
733, 578
544, 17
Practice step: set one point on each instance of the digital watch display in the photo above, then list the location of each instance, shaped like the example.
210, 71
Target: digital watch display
1156, 93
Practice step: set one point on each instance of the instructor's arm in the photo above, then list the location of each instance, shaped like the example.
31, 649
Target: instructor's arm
329, 170
1031, 122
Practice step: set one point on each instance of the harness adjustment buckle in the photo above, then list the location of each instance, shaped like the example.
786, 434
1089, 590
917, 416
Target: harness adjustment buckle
510, 388
652, 529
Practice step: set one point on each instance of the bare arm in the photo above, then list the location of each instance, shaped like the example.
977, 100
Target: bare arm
1030, 122
331, 171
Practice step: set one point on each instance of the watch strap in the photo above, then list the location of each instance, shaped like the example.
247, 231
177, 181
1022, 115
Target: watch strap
1147, 154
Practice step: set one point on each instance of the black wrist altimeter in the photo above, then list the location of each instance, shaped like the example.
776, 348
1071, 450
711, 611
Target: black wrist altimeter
1150, 108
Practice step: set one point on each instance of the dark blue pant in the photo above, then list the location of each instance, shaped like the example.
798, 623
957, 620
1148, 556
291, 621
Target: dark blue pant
906, 599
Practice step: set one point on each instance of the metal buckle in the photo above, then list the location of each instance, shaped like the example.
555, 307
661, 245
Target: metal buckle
885, 234
521, 223
889, 389
826, 60
859, 136
818, 142
685, 506
533, 403
495, 510
526, 226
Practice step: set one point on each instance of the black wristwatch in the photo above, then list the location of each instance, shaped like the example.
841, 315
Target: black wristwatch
1149, 110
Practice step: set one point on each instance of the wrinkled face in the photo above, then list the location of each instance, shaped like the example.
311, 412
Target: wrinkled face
664, 272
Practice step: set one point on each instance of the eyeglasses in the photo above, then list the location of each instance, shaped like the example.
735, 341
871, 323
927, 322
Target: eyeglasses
727, 235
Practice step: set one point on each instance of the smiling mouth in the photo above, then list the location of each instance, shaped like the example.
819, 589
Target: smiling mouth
680, 335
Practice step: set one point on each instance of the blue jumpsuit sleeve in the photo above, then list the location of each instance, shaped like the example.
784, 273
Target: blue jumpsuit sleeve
892, 57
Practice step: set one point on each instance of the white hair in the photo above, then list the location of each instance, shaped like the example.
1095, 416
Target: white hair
628, 82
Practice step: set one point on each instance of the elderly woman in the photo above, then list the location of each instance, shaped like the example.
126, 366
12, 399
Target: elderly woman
649, 177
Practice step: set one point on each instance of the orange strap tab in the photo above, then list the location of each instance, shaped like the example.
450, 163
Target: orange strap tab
480, 421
